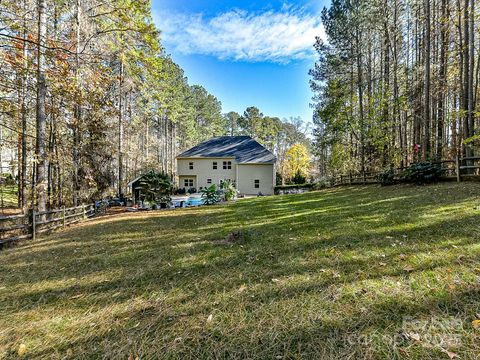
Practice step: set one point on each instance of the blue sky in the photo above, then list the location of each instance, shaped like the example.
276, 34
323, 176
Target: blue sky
246, 53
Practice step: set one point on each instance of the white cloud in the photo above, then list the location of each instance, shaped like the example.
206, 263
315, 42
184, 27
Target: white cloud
239, 35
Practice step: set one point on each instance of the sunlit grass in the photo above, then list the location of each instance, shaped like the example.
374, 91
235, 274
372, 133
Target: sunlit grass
361, 272
8, 196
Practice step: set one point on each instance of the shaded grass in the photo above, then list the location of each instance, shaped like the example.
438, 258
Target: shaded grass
8, 196
360, 272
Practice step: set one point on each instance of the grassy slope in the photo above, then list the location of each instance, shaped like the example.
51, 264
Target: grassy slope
333, 274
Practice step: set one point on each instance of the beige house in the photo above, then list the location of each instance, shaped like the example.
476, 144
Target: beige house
238, 158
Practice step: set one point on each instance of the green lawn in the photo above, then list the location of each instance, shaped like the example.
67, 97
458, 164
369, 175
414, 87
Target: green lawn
8, 196
360, 272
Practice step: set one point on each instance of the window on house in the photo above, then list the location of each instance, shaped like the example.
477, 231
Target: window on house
190, 165
209, 181
214, 165
188, 182
227, 165
257, 184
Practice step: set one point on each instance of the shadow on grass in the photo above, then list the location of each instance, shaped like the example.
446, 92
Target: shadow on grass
333, 251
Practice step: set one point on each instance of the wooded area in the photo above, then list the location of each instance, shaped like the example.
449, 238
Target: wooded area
89, 99
396, 82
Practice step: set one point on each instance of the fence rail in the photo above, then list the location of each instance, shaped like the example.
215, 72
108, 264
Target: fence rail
19, 227
456, 169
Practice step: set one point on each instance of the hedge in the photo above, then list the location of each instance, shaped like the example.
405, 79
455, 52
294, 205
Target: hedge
294, 186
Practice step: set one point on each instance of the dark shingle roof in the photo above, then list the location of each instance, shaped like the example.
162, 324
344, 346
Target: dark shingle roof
243, 148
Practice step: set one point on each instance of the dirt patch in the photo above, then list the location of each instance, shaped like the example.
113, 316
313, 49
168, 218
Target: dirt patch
235, 237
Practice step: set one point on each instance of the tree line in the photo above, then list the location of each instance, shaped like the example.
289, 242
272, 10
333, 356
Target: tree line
396, 82
89, 99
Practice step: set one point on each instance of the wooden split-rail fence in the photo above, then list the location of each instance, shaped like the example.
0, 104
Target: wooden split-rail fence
459, 169
19, 227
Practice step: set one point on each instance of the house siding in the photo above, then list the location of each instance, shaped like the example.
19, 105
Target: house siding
203, 170
248, 173
9, 160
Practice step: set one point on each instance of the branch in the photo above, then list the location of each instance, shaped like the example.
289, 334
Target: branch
37, 44
106, 13
68, 51
102, 33
12, 129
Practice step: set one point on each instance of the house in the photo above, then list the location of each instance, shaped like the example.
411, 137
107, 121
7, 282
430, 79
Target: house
237, 158
8, 161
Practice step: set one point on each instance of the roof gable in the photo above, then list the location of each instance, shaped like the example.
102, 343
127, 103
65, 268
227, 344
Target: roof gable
243, 148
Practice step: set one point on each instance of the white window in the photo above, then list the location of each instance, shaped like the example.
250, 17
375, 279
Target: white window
227, 165
188, 182
214, 165
256, 184
190, 165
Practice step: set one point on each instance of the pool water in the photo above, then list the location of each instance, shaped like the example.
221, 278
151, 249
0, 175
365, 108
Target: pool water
195, 201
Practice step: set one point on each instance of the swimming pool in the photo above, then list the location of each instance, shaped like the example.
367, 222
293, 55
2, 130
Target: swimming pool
185, 201
195, 201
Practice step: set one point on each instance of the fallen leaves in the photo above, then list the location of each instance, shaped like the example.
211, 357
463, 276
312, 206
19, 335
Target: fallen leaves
414, 336
22, 349
450, 354
476, 324
77, 296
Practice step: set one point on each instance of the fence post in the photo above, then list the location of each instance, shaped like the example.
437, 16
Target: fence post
84, 212
33, 225
63, 216
457, 168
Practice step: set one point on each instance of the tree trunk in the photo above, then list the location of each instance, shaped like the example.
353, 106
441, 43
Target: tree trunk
77, 111
360, 102
120, 130
471, 66
427, 120
466, 76
41, 155
386, 90
442, 80
23, 113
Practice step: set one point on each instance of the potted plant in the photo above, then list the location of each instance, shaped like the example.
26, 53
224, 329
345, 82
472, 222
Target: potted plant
210, 195
228, 190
